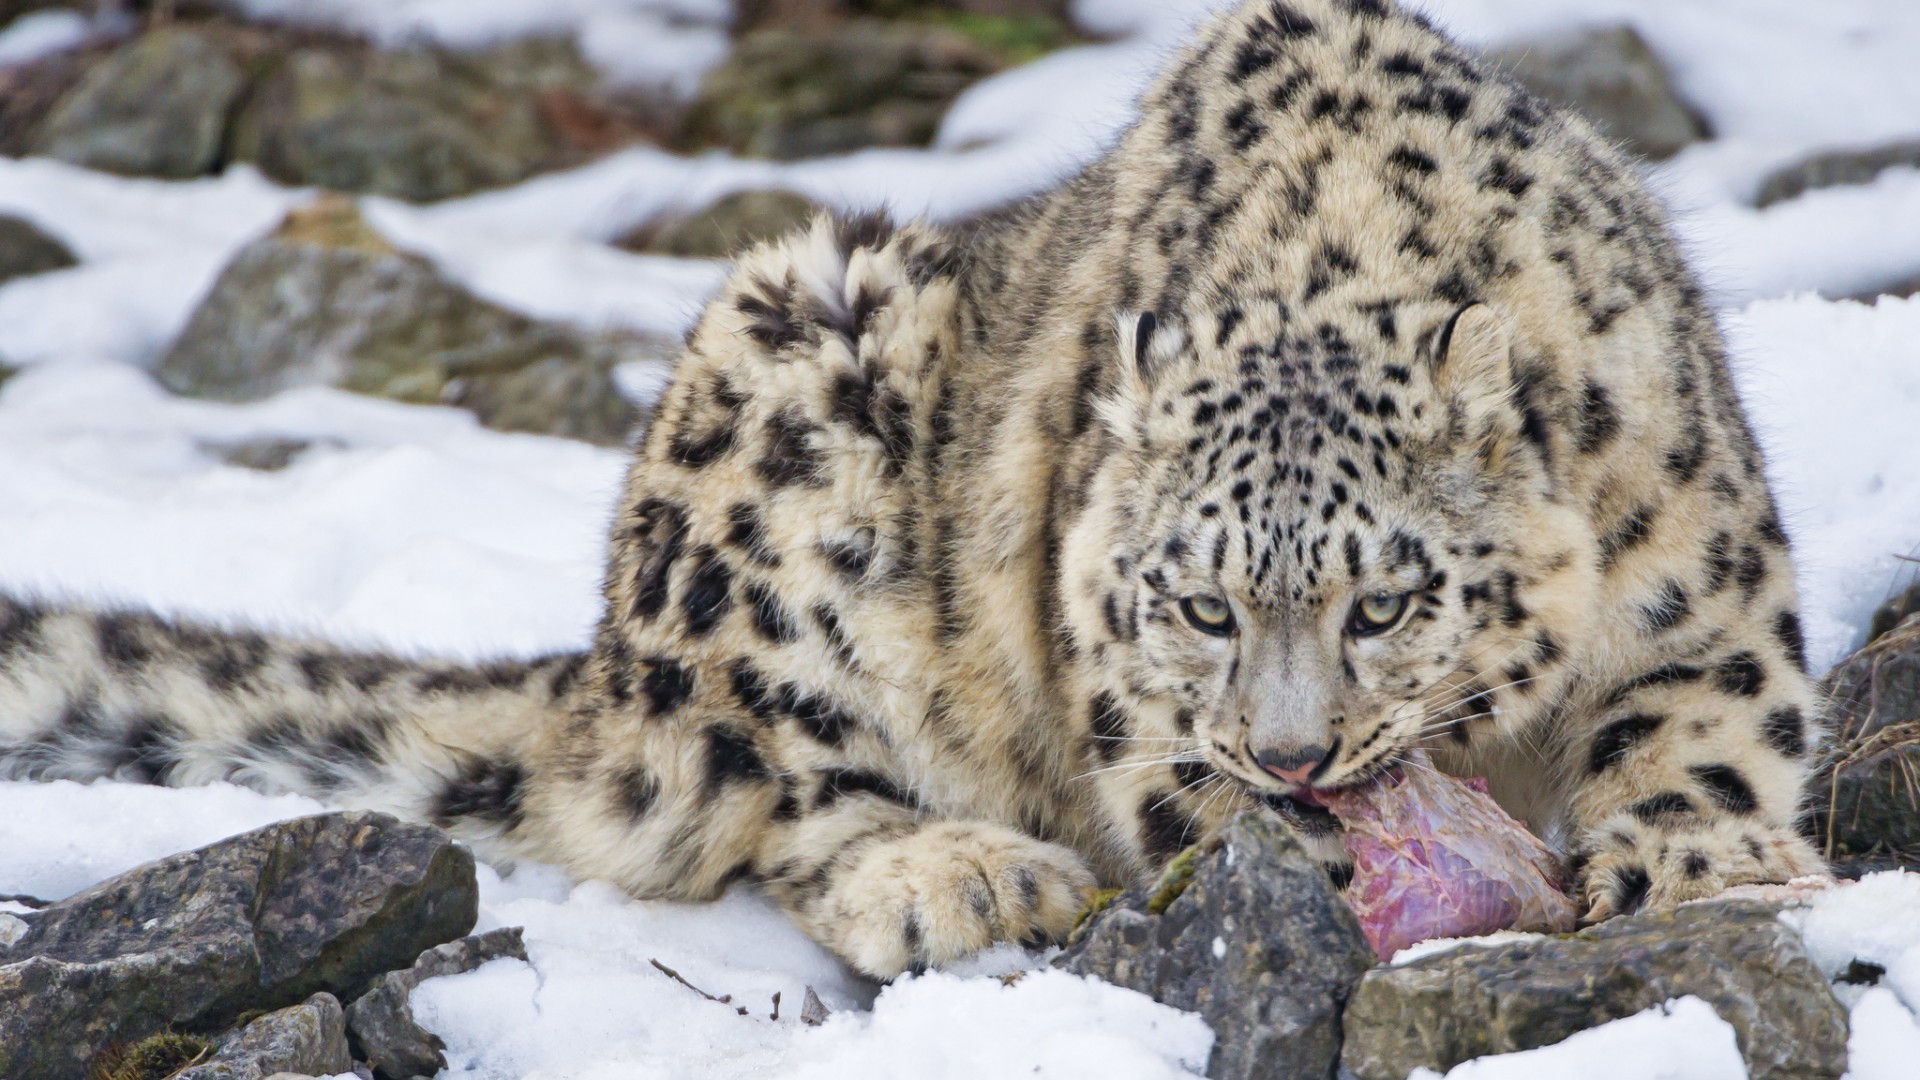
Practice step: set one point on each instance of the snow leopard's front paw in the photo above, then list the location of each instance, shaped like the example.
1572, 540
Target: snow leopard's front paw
948, 890
1638, 865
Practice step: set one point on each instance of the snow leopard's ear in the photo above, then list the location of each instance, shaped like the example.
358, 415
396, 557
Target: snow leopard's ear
1472, 368
1148, 347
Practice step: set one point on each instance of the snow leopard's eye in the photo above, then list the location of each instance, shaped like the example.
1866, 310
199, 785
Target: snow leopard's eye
1376, 614
1208, 614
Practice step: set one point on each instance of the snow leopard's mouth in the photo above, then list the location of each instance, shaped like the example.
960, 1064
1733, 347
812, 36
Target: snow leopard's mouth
1304, 810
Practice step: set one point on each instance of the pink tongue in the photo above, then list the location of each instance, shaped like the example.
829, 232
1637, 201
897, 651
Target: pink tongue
1435, 856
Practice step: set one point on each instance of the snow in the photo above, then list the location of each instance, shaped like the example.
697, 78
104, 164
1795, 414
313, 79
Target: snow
1885, 1039
42, 33
149, 251
591, 1003
374, 536
1833, 388
1872, 922
416, 529
61, 837
1683, 1039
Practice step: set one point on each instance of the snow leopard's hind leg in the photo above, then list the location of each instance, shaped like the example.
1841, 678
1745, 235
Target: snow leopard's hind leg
757, 705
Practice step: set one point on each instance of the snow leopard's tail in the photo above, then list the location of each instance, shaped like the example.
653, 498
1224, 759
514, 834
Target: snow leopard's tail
131, 696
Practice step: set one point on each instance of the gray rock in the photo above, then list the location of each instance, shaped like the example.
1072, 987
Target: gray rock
1611, 76
264, 453
1835, 169
1440, 1010
418, 124
735, 222
1894, 612
157, 107
309, 1039
1866, 807
25, 250
260, 921
753, 14
385, 1034
1257, 941
326, 301
788, 93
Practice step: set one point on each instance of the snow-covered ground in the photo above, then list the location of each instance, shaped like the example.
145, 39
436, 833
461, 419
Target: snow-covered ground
416, 529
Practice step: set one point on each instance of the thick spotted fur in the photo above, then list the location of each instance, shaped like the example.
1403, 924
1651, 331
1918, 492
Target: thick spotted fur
962, 571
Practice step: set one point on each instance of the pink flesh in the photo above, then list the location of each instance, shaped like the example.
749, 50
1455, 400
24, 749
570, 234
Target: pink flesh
1435, 856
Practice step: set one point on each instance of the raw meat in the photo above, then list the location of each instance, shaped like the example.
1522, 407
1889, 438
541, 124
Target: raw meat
1434, 856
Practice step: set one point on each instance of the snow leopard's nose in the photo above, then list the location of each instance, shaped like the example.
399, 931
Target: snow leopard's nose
1293, 766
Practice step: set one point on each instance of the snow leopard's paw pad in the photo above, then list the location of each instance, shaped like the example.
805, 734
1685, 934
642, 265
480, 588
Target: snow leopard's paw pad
1641, 866
947, 891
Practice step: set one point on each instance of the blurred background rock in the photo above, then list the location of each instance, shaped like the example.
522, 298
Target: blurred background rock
340, 97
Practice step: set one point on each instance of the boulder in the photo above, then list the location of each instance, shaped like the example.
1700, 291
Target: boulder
1473, 1000
1249, 932
418, 124
788, 93
263, 453
192, 942
1866, 807
384, 1032
732, 224
1835, 169
754, 14
159, 106
1612, 77
31, 88
25, 250
309, 1039
327, 301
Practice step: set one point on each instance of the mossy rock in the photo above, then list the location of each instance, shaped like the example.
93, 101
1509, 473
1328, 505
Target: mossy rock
157, 107
1019, 39
796, 93
418, 124
1439, 1010
154, 1058
753, 14
1173, 881
1247, 930
327, 301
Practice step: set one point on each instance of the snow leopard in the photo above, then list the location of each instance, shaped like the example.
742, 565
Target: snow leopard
1355, 404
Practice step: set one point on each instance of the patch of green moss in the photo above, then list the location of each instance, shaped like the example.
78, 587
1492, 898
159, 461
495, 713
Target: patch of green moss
7, 373
1019, 39
1101, 901
1173, 882
153, 1058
